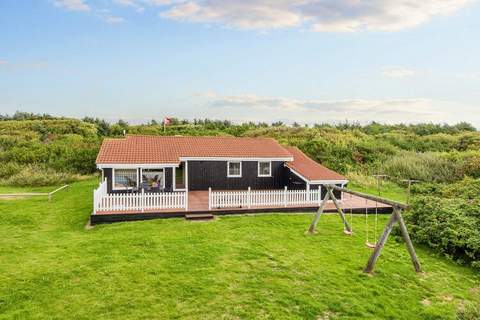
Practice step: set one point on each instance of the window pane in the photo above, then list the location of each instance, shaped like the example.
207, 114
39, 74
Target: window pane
153, 177
234, 168
264, 168
125, 178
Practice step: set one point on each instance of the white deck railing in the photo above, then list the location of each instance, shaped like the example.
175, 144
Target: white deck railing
261, 198
102, 201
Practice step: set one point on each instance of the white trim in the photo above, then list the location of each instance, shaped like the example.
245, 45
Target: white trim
136, 165
235, 159
264, 175
329, 182
186, 177
174, 184
228, 170
123, 188
319, 181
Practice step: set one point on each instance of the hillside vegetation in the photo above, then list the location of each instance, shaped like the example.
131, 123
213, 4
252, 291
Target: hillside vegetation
34, 147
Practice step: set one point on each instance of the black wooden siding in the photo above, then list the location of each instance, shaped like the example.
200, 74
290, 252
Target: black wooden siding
205, 174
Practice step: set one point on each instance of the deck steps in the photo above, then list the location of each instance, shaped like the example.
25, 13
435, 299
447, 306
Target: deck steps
199, 216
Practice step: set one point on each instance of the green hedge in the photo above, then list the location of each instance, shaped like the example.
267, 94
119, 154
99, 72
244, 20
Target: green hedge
448, 219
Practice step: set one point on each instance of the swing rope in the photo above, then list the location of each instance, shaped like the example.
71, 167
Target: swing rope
376, 222
367, 242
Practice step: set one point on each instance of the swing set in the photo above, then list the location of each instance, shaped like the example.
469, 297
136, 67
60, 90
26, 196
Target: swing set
378, 244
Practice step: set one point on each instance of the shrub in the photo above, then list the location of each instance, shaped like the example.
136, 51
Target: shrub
448, 225
39, 176
429, 167
8, 169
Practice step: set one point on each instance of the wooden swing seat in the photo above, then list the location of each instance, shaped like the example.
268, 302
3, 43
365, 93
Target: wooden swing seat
370, 245
348, 233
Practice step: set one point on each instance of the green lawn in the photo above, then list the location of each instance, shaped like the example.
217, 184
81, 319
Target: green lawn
9, 189
237, 267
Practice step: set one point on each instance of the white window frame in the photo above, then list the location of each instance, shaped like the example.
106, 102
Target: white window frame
270, 169
234, 175
141, 175
123, 188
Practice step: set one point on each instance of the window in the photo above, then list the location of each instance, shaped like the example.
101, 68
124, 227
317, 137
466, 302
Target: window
124, 178
234, 169
153, 178
264, 169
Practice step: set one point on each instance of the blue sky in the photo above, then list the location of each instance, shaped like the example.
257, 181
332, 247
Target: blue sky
297, 60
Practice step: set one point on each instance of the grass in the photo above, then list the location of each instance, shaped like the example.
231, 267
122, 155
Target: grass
13, 189
236, 267
368, 184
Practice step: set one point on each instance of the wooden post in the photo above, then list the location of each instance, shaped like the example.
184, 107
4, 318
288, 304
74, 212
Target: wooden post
308, 193
143, 200
339, 210
408, 241
285, 196
209, 198
380, 244
249, 197
314, 223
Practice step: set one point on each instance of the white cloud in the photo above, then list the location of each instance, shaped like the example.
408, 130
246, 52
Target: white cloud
257, 108
72, 5
114, 19
318, 15
398, 72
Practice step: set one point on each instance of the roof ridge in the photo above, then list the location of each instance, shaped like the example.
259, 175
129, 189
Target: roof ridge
190, 136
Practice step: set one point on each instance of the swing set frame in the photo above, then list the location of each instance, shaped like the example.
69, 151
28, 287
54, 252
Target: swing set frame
395, 217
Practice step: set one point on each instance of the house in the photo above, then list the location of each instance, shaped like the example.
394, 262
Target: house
180, 173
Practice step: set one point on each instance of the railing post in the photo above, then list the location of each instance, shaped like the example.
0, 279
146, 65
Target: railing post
319, 194
285, 197
94, 201
209, 198
186, 200
308, 193
249, 197
143, 200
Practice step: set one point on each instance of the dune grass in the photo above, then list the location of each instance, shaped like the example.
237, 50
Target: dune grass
235, 267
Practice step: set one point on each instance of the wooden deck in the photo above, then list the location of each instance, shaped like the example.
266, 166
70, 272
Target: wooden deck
198, 203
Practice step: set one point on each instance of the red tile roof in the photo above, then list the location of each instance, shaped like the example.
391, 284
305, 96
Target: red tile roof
310, 169
136, 149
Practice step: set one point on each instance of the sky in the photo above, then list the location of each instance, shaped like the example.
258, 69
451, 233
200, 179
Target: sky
308, 61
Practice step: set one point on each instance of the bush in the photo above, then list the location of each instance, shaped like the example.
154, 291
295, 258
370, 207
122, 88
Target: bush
39, 176
448, 225
8, 169
429, 167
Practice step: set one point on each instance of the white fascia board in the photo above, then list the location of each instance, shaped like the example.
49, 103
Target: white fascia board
318, 181
329, 181
136, 165
233, 159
